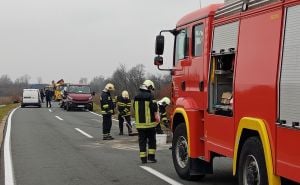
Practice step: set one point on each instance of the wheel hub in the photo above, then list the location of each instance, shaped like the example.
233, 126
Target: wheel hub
251, 171
182, 152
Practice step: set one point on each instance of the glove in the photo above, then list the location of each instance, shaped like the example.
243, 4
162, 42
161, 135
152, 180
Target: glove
157, 117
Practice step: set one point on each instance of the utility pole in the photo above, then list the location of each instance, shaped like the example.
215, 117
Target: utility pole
200, 4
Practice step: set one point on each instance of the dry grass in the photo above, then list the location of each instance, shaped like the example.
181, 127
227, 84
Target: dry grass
6, 109
5, 100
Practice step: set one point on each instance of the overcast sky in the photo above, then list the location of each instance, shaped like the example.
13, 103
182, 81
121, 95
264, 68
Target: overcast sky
71, 39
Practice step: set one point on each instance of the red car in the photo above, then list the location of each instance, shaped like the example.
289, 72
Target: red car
77, 96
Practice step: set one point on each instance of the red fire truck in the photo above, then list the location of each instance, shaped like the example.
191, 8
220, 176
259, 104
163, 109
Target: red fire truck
236, 90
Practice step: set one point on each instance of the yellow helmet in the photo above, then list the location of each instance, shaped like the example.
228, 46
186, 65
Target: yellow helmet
109, 87
149, 84
165, 100
125, 94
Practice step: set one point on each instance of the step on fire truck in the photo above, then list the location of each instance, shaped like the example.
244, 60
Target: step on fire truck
236, 90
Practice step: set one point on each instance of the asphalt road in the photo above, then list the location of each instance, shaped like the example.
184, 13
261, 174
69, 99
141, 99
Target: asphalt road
55, 147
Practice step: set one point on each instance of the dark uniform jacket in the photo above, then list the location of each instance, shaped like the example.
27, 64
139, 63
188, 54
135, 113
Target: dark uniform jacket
107, 105
124, 106
145, 108
163, 113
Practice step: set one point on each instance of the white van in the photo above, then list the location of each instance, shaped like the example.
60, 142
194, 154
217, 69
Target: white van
31, 97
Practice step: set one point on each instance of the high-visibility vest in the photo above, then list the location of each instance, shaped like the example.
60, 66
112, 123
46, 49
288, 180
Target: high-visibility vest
124, 106
145, 108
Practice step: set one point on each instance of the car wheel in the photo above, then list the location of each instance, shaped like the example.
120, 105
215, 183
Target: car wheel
252, 166
68, 108
180, 155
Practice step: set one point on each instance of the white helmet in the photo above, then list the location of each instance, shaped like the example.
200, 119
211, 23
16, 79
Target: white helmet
109, 87
149, 84
125, 94
164, 100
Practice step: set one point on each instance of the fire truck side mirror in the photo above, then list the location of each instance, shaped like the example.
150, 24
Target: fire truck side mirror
158, 61
159, 44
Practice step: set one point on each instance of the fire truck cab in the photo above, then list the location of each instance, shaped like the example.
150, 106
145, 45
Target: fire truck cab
236, 90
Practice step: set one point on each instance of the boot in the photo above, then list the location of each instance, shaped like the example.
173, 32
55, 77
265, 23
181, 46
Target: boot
144, 160
110, 137
129, 127
151, 158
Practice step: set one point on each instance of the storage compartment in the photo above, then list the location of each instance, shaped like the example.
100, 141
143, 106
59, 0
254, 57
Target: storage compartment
221, 83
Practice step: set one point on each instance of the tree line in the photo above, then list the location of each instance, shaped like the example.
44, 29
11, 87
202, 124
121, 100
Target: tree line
131, 79
122, 78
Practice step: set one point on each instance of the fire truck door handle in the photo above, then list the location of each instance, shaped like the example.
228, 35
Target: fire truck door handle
183, 86
201, 86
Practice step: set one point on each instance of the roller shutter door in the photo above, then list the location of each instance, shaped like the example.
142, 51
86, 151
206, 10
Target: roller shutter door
225, 37
290, 71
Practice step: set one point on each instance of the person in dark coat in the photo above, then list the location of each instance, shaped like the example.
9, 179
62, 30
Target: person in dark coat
42, 95
48, 94
146, 119
107, 110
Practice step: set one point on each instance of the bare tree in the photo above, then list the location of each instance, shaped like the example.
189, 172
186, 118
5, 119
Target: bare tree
120, 79
83, 80
23, 80
97, 83
5, 81
136, 77
39, 80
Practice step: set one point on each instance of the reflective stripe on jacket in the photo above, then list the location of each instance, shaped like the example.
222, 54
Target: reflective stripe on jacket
145, 108
124, 106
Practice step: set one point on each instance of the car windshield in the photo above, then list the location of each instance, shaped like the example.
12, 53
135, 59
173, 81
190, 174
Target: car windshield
79, 89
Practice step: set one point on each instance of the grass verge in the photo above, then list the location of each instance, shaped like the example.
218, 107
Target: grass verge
6, 109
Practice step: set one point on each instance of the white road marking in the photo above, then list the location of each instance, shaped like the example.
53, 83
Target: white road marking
50, 110
84, 133
59, 118
8, 166
95, 113
160, 175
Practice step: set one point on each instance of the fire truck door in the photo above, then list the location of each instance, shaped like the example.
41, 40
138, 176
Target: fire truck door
196, 70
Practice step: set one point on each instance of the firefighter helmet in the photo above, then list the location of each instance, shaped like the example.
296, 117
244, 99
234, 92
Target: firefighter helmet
165, 101
109, 87
125, 94
149, 84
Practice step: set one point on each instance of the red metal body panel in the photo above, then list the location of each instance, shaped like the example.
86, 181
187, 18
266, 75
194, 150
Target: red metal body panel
256, 69
219, 132
288, 153
199, 14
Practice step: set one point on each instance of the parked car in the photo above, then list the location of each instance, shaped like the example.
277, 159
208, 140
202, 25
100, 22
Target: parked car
77, 96
31, 97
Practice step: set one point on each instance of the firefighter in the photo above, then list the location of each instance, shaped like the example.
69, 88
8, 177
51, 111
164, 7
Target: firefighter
107, 110
162, 105
146, 118
124, 106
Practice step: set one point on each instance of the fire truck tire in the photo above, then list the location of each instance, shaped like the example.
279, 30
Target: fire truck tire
180, 156
252, 166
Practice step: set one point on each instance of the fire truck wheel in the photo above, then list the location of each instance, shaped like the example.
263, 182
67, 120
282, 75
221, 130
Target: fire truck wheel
180, 155
252, 167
